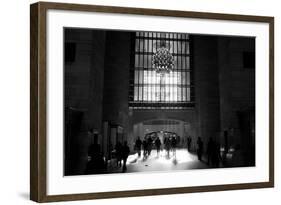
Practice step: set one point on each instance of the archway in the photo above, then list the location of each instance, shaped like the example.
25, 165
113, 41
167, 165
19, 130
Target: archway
162, 128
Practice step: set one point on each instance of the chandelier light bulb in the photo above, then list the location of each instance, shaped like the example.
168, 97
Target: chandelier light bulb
162, 60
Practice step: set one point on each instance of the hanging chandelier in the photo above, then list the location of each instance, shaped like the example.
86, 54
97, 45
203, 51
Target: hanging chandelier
162, 60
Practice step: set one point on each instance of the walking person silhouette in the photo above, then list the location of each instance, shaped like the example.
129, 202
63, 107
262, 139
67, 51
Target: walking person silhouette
125, 153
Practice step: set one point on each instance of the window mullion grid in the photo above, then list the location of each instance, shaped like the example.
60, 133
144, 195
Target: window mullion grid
173, 93
139, 70
135, 70
186, 72
177, 52
148, 71
175, 73
143, 68
160, 79
172, 87
191, 72
153, 73
180, 67
170, 74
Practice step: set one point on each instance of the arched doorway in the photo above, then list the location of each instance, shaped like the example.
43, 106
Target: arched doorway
162, 135
162, 128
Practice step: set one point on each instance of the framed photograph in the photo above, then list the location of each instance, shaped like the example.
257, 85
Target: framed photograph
136, 102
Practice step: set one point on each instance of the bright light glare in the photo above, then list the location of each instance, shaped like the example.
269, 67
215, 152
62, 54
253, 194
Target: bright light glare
181, 156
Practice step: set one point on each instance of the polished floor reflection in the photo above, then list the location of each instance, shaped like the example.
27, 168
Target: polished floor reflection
181, 159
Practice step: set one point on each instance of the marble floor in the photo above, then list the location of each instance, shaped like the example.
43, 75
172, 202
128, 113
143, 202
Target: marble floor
179, 160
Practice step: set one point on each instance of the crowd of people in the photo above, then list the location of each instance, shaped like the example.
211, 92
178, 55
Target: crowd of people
212, 152
122, 152
98, 164
147, 144
170, 144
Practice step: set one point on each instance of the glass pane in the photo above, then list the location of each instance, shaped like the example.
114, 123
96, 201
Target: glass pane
187, 78
148, 93
140, 61
183, 78
184, 63
136, 81
137, 45
145, 61
162, 35
140, 77
150, 46
136, 93
145, 79
153, 93
179, 93
184, 94
175, 62
157, 93
188, 94
179, 47
186, 48
145, 93
179, 62
149, 61
183, 36
141, 45
175, 44
136, 60
183, 44
167, 94
140, 94
187, 62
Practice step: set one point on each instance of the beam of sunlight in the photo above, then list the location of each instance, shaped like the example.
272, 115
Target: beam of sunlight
180, 156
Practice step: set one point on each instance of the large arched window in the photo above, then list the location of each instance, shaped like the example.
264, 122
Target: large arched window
149, 89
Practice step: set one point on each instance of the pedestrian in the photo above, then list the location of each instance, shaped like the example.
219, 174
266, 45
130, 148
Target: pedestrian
96, 164
189, 140
118, 153
149, 145
145, 145
199, 148
158, 145
168, 146
174, 145
138, 144
216, 156
125, 154
210, 151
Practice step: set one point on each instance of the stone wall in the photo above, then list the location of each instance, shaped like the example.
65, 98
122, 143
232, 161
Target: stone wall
83, 93
116, 79
206, 81
237, 93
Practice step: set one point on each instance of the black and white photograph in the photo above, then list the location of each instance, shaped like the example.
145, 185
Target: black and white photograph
146, 101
